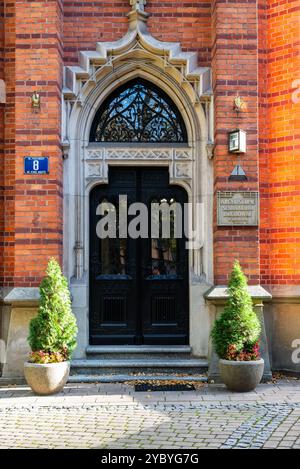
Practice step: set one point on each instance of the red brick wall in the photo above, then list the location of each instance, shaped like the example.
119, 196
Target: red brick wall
33, 204
86, 22
1, 142
280, 146
235, 68
263, 134
9, 144
253, 52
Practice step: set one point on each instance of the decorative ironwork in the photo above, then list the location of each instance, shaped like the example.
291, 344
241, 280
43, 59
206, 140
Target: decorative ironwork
138, 112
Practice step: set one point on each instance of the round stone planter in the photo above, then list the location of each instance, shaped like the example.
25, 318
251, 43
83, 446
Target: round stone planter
46, 379
241, 376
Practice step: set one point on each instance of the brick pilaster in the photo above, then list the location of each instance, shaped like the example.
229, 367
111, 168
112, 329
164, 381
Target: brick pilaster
1, 142
235, 69
34, 211
9, 144
280, 145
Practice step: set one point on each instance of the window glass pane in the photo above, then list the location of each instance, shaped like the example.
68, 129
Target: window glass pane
164, 249
113, 256
113, 250
138, 112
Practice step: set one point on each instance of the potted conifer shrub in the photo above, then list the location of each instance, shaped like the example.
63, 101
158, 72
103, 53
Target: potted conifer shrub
235, 337
52, 335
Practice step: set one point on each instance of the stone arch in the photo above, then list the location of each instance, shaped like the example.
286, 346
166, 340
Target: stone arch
78, 118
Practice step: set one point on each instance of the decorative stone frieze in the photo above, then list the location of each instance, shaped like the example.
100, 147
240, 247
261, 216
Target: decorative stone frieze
96, 160
94, 154
136, 154
183, 170
183, 154
94, 170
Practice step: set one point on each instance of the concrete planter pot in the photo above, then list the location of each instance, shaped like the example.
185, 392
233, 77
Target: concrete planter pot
46, 379
241, 376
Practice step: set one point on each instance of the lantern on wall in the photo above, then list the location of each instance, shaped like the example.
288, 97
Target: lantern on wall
237, 141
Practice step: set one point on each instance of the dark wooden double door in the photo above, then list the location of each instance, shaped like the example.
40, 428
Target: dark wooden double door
138, 287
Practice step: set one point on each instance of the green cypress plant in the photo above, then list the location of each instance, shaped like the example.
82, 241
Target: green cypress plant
236, 332
52, 333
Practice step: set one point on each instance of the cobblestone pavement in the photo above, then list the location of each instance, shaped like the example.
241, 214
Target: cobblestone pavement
115, 416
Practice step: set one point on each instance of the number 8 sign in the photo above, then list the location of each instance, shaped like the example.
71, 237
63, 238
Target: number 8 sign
36, 165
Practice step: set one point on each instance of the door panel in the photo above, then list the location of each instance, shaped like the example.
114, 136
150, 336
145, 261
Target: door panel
165, 284
138, 287
112, 270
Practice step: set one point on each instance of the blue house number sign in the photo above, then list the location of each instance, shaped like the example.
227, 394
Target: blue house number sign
38, 165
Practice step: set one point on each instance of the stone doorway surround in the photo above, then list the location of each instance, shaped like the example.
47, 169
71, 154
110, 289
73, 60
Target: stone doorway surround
86, 164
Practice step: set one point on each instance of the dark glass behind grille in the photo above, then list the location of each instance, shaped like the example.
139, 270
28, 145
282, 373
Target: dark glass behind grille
138, 112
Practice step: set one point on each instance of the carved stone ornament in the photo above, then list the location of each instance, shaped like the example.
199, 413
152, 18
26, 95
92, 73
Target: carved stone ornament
136, 154
138, 4
210, 150
138, 42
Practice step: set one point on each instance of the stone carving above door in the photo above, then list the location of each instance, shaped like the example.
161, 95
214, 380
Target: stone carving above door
182, 155
144, 154
138, 154
94, 169
137, 54
95, 154
183, 170
98, 160
138, 4
137, 45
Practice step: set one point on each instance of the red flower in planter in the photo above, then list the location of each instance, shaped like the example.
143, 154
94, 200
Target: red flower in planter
247, 354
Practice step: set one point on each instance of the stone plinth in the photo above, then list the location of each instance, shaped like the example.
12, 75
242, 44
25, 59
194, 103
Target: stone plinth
217, 297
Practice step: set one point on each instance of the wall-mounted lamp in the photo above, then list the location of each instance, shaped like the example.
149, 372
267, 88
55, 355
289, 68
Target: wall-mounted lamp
237, 141
35, 101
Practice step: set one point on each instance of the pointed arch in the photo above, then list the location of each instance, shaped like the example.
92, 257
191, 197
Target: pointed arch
138, 112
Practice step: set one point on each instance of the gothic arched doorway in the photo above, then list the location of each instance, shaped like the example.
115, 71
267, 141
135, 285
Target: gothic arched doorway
138, 286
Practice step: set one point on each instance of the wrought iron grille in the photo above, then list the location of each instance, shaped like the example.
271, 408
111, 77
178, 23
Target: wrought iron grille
138, 112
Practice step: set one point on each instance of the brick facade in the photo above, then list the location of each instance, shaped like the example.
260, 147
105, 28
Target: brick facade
280, 144
8, 167
1, 141
33, 205
235, 68
252, 49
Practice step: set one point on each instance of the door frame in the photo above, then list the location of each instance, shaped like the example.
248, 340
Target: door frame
86, 165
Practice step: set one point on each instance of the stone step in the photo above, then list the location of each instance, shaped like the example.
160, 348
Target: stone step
119, 378
141, 363
150, 364
137, 351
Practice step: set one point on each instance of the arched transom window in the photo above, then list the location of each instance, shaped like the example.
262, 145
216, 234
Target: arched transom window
138, 112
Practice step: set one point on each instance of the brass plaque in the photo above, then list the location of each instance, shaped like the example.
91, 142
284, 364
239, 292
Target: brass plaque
236, 208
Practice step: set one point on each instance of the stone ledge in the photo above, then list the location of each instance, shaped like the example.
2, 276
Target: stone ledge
219, 293
217, 296
284, 292
28, 296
